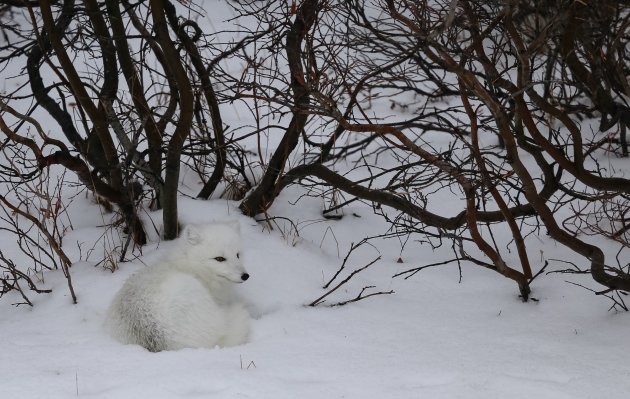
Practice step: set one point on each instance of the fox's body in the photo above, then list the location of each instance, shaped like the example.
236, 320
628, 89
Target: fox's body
185, 301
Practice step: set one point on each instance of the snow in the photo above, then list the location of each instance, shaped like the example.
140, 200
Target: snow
435, 337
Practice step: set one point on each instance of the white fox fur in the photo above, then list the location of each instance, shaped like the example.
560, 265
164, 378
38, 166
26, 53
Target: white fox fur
185, 301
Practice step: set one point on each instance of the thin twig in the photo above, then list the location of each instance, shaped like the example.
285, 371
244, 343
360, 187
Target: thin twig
321, 298
361, 296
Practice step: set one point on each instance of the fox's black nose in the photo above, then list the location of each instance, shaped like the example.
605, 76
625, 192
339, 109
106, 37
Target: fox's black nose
244, 276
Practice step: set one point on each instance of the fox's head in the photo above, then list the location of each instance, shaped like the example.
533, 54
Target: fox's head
213, 251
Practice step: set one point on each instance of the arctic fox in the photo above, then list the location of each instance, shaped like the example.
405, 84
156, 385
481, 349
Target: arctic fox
185, 301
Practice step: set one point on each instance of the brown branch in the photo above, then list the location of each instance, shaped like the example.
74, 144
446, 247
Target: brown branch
211, 98
396, 201
99, 119
17, 275
261, 198
184, 123
136, 89
65, 261
503, 207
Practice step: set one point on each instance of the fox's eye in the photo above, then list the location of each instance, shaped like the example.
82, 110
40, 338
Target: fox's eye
238, 256
220, 259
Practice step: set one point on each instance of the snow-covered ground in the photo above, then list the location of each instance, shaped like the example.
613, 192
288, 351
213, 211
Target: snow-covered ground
434, 338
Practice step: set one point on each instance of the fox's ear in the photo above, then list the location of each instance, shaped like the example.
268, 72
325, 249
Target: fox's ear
192, 234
